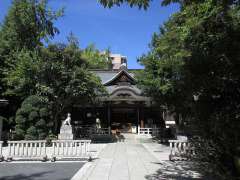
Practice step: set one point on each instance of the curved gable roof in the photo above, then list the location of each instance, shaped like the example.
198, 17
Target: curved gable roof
117, 77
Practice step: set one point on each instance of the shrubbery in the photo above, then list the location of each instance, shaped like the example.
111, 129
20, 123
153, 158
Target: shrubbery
31, 119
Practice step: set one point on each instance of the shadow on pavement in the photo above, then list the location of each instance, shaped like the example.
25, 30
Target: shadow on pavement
38, 171
181, 170
27, 177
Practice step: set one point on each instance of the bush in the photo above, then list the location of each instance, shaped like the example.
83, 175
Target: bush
32, 133
43, 112
42, 135
26, 109
33, 115
41, 123
19, 134
50, 137
31, 119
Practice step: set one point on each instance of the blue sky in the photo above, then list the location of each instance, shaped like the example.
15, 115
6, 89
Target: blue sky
124, 30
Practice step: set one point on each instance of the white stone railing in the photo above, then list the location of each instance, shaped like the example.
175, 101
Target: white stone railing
149, 131
180, 148
27, 150
70, 149
1, 146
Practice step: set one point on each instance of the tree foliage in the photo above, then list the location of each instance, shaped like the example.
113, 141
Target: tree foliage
95, 58
196, 54
58, 74
27, 24
140, 3
146, 3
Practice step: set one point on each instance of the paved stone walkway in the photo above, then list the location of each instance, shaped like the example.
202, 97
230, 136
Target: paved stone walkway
123, 161
132, 160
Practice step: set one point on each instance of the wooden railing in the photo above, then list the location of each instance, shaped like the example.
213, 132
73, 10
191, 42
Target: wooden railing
98, 130
70, 149
27, 150
180, 150
144, 131
1, 156
149, 131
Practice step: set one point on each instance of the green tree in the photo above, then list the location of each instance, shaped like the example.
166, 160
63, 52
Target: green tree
58, 75
93, 58
196, 54
21, 80
96, 59
27, 24
139, 3
66, 80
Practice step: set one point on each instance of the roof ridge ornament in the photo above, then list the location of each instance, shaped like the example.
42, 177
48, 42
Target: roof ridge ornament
123, 67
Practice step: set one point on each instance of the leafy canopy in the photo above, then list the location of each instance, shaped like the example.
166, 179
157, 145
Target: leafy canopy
26, 26
196, 54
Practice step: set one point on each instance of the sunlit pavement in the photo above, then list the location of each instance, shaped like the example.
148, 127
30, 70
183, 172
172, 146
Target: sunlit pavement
135, 159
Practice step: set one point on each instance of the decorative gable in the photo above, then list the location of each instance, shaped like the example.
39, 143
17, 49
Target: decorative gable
121, 78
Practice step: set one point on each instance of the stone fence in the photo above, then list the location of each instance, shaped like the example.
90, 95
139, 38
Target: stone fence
38, 150
27, 150
70, 149
1, 156
180, 150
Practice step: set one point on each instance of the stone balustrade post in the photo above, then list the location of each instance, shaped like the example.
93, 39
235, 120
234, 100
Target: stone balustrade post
26, 149
70, 148
1, 155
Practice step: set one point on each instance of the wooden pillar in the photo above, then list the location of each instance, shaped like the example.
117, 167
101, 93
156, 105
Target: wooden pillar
84, 115
109, 118
141, 117
162, 118
138, 118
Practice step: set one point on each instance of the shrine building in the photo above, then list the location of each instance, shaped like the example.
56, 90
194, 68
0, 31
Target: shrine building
125, 107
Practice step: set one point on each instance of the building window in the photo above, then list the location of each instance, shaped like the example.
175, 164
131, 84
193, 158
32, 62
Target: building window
123, 60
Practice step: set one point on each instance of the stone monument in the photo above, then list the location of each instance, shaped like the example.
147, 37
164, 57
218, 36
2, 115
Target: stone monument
66, 129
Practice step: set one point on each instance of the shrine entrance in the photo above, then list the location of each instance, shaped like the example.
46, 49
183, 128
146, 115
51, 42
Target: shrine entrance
124, 120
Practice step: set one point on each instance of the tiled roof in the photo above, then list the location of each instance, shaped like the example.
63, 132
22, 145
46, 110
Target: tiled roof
107, 75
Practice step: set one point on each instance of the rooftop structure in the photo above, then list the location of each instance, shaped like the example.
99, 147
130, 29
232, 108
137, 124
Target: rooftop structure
118, 60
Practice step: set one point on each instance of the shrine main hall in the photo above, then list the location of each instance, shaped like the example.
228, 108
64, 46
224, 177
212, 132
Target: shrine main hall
124, 107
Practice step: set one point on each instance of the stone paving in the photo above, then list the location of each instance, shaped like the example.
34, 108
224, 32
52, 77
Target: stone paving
134, 160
